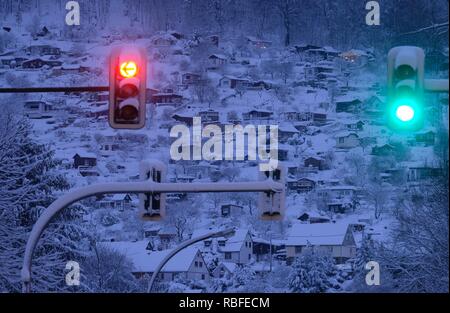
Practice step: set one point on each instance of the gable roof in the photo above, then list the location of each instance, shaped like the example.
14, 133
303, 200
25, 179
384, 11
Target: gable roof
317, 234
235, 242
145, 261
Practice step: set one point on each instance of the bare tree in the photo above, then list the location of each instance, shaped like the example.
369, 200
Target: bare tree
288, 10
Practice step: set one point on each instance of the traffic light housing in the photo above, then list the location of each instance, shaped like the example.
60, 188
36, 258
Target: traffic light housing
152, 205
127, 88
272, 204
405, 106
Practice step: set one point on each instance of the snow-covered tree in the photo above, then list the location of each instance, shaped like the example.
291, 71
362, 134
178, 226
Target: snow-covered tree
312, 272
28, 181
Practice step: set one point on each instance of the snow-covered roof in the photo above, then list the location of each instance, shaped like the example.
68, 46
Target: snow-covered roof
288, 128
235, 242
84, 154
229, 266
145, 261
317, 234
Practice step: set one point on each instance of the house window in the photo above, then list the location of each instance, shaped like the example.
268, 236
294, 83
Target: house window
196, 264
249, 244
227, 255
298, 249
200, 263
249, 256
203, 276
341, 140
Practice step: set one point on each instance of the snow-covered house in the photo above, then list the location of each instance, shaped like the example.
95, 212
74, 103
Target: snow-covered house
374, 106
169, 98
224, 270
43, 50
216, 61
347, 140
314, 162
426, 138
163, 40
190, 78
234, 210
300, 185
188, 263
232, 82
286, 131
238, 248
337, 199
84, 159
117, 201
257, 115
38, 109
348, 105
334, 239
383, 150
167, 236
209, 116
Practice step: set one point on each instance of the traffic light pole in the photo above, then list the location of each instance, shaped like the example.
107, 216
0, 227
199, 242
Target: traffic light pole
436, 85
148, 186
55, 89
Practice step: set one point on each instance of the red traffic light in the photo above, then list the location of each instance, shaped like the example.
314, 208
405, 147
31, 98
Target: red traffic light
128, 69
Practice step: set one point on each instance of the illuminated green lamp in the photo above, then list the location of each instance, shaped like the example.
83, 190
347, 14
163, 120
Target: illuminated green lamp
405, 114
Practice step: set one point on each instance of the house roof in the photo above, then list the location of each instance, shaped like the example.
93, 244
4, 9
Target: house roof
229, 266
146, 261
88, 155
317, 234
235, 242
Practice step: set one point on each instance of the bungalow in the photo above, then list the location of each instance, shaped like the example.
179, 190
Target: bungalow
354, 126
238, 248
116, 201
374, 106
228, 210
188, 263
39, 63
261, 248
12, 62
383, 150
190, 78
259, 85
216, 61
348, 105
257, 115
427, 138
300, 185
313, 218
224, 270
314, 162
286, 131
337, 199
233, 82
167, 98
334, 239
163, 40
209, 116
84, 159
38, 109
166, 236
43, 50
423, 172
151, 230
347, 140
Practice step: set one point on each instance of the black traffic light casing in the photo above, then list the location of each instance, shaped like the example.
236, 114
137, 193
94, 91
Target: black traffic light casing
127, 88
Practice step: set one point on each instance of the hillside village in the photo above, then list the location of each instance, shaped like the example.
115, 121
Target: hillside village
345, 169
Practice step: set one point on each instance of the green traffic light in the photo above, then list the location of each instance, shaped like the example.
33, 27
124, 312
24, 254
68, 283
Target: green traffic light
405, 113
